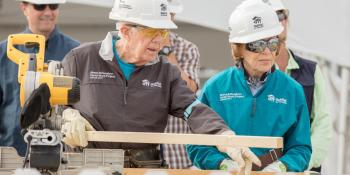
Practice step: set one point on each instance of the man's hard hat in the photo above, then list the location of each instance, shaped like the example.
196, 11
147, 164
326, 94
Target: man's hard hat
175, 6
252, 21
275, 4
44, 1
149, 13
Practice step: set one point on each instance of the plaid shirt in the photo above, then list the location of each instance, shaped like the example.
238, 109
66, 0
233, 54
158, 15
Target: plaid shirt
187, 55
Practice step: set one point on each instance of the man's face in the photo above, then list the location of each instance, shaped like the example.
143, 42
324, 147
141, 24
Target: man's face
42, 20
144, 44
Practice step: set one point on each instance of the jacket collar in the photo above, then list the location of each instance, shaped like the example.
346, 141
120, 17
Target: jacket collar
52, 34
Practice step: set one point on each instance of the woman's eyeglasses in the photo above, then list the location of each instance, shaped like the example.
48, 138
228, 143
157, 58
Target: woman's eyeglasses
260, 45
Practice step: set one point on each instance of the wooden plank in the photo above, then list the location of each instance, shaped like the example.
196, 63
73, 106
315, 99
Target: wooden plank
194, 139
141, 171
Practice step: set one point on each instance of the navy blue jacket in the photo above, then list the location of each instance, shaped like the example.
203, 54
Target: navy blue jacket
57, 46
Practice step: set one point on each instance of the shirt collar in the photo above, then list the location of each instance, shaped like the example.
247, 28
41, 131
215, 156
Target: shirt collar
106, 49
292, 64
52, 34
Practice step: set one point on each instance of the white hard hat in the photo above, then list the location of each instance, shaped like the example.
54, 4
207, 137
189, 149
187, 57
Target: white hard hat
275, 4
150, 13
175, 6
44, 1
253, 20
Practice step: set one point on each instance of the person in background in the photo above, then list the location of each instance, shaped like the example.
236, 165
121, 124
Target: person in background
41, 18
309, 75
256, 99
185, 55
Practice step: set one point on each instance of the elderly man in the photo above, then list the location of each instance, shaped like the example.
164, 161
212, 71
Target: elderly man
41, 18
126, 86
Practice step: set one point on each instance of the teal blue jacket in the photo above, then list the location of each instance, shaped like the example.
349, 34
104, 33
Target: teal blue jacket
278, 109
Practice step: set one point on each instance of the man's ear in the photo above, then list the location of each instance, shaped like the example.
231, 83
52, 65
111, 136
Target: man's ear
125, 32
24, 7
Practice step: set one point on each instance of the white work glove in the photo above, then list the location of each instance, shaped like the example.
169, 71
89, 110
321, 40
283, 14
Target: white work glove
242, 155
74, 128
55, 68
275, 167
229, 165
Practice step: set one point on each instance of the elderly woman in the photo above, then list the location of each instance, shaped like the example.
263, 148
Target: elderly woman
256, 99
125, 86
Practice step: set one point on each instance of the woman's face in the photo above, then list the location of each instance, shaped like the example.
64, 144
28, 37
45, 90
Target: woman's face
144, 44
259, 56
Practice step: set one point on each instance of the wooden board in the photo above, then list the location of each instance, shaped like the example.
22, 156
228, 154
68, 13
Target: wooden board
193, 139
141, 171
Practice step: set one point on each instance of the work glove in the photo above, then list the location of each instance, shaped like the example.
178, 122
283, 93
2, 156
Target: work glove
229, 165
243, 156
74, 128
275, 167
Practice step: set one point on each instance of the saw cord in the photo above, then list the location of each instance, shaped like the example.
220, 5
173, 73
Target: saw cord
29, 139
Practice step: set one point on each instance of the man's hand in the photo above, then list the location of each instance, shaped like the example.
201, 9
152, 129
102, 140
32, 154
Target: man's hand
74, 128
275, 167
242, 155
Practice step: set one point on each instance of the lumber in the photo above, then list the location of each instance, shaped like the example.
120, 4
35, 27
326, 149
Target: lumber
141, 171
193, 139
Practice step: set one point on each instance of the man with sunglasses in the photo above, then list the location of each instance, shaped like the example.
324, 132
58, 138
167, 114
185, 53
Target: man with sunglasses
185, 55
309, 75
256, 99
127, 86
41, 18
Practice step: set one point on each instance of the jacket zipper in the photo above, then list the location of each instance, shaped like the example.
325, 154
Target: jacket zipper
125, 91
253, 108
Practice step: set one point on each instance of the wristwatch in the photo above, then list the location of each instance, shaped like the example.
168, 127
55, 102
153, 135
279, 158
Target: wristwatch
166, 50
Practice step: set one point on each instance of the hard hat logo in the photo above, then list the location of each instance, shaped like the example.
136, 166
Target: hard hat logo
257, 22
163, 10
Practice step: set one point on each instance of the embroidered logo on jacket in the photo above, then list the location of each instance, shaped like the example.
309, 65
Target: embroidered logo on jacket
273, 99
101, 75
229, 96
147, 83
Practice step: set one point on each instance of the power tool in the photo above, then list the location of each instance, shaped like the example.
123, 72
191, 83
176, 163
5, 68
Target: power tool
64, 90
42, 95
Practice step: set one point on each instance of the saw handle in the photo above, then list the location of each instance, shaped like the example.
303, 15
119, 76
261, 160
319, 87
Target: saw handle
21, 58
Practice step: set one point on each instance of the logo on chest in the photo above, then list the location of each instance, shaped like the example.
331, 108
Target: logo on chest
276, 100
229, 96
147, 83
101, 75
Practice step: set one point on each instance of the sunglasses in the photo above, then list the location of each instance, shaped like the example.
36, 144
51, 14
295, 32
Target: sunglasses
151, 32
260, 45
41, 7
282, 15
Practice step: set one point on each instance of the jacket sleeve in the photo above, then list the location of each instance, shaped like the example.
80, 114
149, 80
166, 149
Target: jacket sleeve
297, 144
205, 157
200, 118
69, 64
